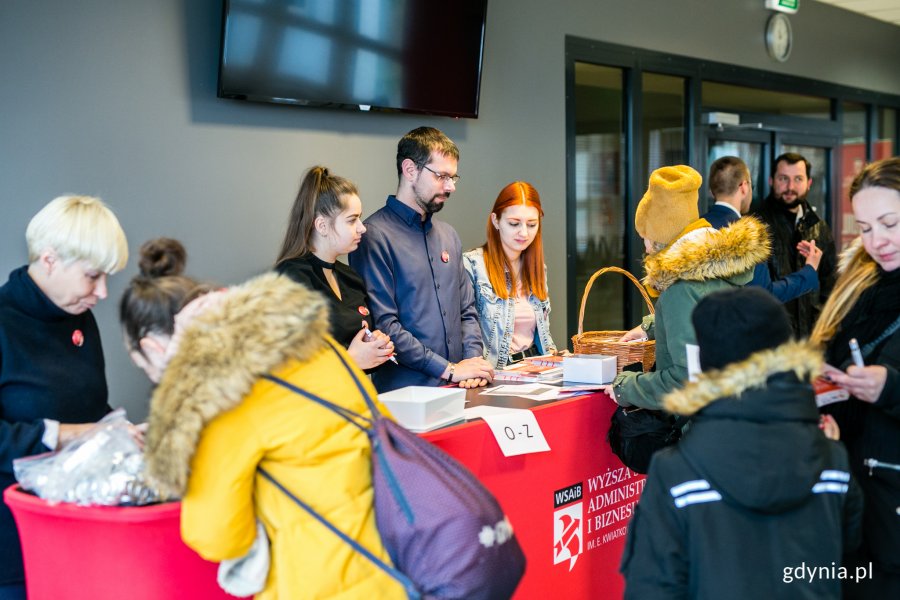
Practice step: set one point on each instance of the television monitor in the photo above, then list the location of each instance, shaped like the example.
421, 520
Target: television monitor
419, 56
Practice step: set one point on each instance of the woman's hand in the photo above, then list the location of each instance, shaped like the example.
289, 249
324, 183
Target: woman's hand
369, 351
829, 427
608, 390
634, 335
70, 431
137, 433
864, 383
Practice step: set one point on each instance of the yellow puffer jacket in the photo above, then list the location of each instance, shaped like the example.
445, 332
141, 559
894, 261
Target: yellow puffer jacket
213, 421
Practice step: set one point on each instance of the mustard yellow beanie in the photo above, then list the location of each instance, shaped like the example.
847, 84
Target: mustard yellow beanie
669, 205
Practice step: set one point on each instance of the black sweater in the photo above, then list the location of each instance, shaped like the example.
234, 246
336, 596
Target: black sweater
44, 374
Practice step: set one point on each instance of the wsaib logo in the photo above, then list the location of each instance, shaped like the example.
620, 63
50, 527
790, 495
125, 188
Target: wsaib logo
568, 525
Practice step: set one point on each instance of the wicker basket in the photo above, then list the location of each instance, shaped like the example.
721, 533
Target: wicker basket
607, 342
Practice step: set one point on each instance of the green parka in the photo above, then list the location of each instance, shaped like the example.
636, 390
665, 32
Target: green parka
700, 261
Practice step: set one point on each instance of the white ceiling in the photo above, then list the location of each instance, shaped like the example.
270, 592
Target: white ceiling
884, 10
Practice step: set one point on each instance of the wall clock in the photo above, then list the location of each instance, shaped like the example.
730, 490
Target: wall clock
779, 37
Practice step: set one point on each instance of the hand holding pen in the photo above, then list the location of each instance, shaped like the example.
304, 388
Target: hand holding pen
369, 349
863, 382
369, 336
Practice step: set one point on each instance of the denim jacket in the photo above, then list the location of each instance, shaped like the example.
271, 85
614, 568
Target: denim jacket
497, 316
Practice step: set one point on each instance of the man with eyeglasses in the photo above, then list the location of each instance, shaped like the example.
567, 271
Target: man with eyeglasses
730, 185
418, 290
793, 225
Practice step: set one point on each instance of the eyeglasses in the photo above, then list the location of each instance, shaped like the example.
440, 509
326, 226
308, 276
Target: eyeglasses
443, 176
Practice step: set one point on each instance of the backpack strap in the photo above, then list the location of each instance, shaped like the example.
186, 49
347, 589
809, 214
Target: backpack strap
362, 390
405, 581
354, 418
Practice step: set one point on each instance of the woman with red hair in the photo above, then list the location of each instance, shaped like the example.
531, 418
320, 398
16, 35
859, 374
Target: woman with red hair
510, 279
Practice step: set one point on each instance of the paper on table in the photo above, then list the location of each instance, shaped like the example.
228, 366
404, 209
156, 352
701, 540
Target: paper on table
532, 391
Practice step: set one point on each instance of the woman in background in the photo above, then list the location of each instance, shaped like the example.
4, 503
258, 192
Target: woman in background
214, 422
325, 224
510, 279
51, 360
865, 305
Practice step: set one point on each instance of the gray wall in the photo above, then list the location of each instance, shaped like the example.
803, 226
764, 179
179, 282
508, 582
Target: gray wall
117, 99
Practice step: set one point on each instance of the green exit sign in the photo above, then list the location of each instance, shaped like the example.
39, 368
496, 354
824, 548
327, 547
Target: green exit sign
788, 6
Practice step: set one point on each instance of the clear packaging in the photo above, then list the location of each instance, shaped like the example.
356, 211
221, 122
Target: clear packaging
104, 466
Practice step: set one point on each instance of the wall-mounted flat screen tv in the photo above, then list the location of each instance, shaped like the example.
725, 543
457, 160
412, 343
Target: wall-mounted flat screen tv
419, 56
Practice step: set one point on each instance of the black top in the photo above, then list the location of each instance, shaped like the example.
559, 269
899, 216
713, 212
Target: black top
348, 312
872, 430
51, 367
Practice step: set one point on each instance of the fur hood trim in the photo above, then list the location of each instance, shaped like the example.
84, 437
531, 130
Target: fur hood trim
800, 357
705, 254
257, 326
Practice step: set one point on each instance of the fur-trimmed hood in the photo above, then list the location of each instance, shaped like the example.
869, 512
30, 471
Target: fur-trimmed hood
801, 358
704, 254
754, 434
257, 326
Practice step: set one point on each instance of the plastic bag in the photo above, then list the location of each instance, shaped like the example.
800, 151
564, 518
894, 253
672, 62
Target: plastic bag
104, 466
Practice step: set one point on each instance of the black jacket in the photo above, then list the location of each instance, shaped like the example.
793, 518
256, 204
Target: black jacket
785, 259
872, 431
752, 491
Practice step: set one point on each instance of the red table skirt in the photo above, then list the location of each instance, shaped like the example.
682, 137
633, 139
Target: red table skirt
569, 507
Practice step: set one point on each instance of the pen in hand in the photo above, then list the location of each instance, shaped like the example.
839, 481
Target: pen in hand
392, 357
855, 353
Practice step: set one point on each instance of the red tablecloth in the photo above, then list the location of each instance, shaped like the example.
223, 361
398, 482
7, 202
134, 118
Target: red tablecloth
569, 507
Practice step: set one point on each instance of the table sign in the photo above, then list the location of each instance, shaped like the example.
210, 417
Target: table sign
517, 432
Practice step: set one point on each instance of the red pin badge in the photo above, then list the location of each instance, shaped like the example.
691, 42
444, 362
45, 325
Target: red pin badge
363, 311
445, 256
78, 338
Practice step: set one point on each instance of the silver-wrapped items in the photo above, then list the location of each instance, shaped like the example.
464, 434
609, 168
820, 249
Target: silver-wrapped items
102, 467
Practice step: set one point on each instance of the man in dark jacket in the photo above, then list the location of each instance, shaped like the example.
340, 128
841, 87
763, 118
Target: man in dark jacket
729, 183
792, 221
754, 502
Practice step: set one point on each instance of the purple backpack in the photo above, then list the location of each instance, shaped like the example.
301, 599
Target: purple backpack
444, 531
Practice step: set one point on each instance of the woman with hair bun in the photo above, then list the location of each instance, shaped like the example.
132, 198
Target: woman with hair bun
325, 224
510, 279
52, 371
151, 301
215, 421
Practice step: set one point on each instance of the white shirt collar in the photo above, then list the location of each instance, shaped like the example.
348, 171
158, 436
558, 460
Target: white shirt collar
736, 211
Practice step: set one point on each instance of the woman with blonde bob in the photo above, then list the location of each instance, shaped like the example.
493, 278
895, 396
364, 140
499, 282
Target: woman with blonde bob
52, 372
510, 279
865, 306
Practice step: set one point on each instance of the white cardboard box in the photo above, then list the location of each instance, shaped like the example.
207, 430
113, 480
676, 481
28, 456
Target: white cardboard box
589, 368
421, 408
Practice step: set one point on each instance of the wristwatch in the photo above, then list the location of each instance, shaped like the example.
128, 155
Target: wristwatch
452, 367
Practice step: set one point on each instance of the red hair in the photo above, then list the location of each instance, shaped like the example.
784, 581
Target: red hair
495, 259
